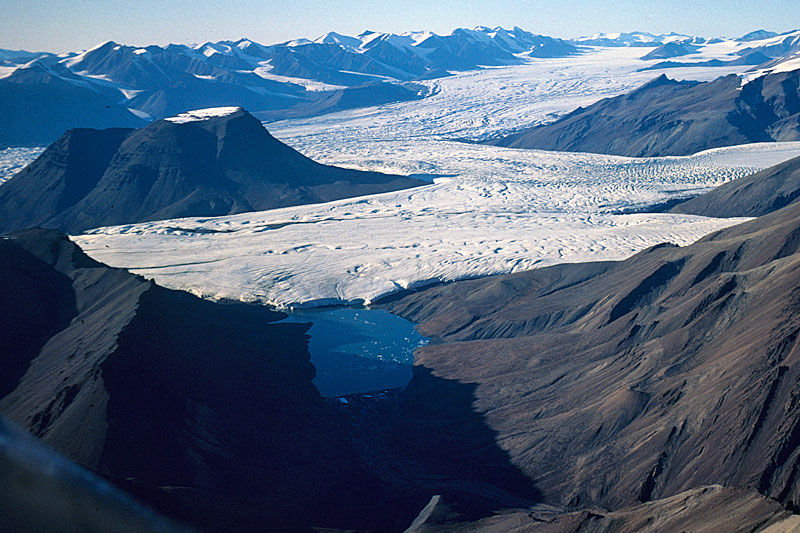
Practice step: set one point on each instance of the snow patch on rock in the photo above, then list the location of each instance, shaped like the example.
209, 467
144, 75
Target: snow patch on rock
203, 114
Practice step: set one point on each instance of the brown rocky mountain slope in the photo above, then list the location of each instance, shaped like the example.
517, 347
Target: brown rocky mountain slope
205, 410
616, 383
707, 509
668, 117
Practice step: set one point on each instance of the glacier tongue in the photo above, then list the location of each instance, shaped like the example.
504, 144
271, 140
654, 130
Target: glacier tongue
490, 210
360, 249
358, 259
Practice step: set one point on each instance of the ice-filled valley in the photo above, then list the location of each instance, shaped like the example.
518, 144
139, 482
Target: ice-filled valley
488, 209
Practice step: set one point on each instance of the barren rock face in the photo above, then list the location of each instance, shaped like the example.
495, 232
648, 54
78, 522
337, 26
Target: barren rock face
707, 509
206, 410
615, 383
752, 196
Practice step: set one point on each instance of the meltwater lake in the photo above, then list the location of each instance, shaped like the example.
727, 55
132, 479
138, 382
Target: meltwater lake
359, 350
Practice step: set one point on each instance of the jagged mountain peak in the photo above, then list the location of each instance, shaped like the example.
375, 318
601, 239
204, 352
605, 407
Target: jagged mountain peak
109, 44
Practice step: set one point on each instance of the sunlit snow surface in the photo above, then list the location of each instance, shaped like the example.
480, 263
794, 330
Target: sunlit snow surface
203, 114
491, 210
478, 104
12, 160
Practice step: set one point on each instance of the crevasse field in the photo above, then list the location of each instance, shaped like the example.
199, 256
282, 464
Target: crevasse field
12, 160
487, 210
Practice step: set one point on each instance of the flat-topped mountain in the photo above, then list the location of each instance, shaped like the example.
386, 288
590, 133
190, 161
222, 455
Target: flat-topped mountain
202, 163
666, 117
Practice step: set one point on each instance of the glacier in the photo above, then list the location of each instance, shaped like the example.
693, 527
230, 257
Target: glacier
14, 159
487, 210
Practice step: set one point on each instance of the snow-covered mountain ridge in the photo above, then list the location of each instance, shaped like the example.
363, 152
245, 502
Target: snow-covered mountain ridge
305, 77
156, 80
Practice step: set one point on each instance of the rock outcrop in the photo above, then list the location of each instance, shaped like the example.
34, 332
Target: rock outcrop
707, 509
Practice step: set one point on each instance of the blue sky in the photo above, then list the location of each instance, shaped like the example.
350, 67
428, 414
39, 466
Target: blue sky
64, 25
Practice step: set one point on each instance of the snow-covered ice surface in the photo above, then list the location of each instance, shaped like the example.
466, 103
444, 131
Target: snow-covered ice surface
203, 114
490, 102
561, 210
325, 257
489, 210
12, 160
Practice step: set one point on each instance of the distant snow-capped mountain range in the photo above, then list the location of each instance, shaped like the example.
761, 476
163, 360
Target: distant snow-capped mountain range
113, 84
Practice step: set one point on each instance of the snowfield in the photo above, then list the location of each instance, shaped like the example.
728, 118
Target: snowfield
495, 101
12, 160
202, 114
538, 209
489, 210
